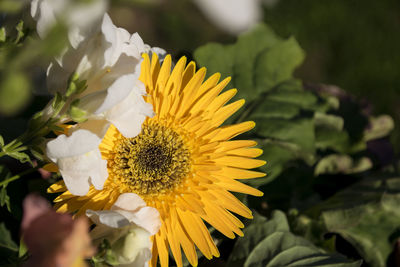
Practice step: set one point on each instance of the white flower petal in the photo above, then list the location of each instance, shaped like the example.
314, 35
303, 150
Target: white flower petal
80, 142
129, 114
99, 173
130, 122
77, 183
129, 202
134, 248
80, 171
138, 42
116, 93
79, 161
117, 37
147, 217
106, 217
97, 126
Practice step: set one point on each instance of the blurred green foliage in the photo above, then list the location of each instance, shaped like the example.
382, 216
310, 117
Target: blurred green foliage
350, 43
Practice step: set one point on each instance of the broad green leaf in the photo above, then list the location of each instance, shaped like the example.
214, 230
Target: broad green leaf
1, 141
270, 243
274, 109
216, 58
6, 241
286, 249
255, 232
301, 98
276, 64
367, 216
297, 131
257, 62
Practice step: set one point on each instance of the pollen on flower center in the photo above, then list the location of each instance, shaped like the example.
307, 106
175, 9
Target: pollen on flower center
155, 161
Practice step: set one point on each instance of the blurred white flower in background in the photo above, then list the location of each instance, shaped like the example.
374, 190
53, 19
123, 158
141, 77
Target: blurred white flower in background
127, 227
81, 17
233, 16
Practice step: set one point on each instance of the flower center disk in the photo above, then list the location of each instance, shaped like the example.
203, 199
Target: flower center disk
156, 161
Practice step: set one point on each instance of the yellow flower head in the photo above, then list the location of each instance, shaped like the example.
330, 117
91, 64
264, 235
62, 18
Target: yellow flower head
182, 163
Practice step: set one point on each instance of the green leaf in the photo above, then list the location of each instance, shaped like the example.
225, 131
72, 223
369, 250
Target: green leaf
330, 134
6, 241
254, 233
58, 103
336, 163
328, 121
23, 249
369, 221
20, 32
21, 156
4, 198
270, 243
257, 62
297, 131
276, 64
1, 141
77, 114
379, 127
274, 109
14, 93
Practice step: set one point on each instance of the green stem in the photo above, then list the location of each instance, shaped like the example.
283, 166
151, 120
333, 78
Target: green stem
17, 176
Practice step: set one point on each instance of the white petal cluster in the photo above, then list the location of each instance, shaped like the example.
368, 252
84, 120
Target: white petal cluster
128, 227
108, 58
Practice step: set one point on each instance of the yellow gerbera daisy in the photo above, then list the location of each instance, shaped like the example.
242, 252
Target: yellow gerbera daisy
182, 163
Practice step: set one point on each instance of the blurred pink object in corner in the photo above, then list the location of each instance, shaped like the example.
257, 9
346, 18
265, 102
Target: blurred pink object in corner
43, 173
54, 239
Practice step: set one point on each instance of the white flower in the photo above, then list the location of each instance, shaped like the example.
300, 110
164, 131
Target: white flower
81, 17
128, 227
233, 16
79, 161
108, 59
110, 63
